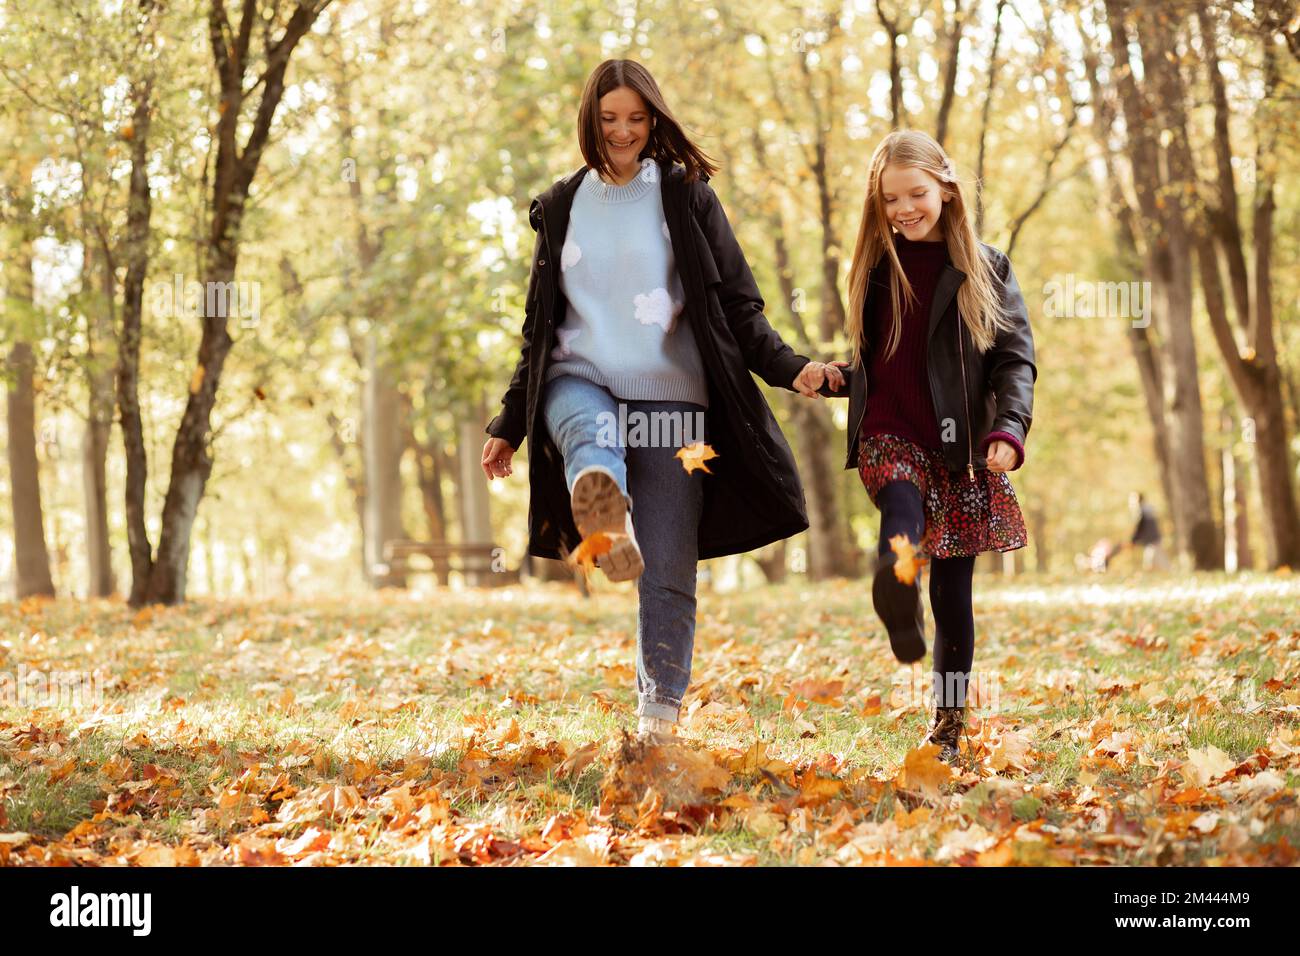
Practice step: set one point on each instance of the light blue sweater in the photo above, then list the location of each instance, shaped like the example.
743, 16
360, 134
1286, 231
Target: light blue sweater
625, 327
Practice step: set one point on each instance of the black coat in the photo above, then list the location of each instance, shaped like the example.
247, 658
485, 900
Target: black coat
995, 392
754, 496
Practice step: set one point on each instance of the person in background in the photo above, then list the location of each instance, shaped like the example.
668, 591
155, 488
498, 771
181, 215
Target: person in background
1147, 533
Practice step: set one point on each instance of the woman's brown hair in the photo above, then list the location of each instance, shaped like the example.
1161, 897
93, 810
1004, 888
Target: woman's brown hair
978, 299
668, 142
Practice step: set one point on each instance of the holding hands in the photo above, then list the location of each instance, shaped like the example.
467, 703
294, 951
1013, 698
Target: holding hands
812, 376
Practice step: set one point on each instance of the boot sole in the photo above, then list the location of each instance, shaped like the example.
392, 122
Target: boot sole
899, 607
598, 505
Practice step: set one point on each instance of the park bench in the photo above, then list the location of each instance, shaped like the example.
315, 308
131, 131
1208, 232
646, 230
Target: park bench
473, 559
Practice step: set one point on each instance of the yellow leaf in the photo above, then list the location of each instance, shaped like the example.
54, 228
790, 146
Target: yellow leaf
1204, 766
694, 456
1010, 749
906, 819
924, 771
196, 382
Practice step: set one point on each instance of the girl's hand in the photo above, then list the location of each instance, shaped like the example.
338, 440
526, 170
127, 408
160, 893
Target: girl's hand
1001, 456
812, 375
496, 458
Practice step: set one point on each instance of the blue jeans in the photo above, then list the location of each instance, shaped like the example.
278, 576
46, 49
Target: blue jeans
582, 418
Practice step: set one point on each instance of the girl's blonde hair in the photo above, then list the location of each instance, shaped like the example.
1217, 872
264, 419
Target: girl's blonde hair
978, 299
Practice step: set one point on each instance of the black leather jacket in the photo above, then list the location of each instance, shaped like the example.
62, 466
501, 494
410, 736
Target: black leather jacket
978, 394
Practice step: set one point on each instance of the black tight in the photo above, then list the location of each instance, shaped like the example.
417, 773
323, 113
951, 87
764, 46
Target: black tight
901, 512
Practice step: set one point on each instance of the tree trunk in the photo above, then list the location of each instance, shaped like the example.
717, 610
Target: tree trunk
1141, 340
476, 516
99, 424
986, 110
429, 466
893, 29
1160, 177
1037, 516
830, 551
1253, 368
1245, 556
773, 563
31, 558
138, 212
382, 417
954, 33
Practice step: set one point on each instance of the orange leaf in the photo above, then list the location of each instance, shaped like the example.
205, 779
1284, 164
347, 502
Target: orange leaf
908, 563
590, 549
694, 456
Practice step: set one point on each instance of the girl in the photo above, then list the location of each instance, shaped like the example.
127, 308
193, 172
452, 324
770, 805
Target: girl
642, 308
941, 398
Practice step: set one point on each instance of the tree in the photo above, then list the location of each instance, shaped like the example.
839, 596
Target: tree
1248, 350
1162, 179
235, 55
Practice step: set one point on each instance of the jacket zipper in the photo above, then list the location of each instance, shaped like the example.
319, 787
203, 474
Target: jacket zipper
970, 454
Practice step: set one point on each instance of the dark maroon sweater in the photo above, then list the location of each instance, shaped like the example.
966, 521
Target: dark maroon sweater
898, 389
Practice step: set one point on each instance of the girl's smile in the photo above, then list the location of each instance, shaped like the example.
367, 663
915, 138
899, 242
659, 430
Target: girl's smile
913, 202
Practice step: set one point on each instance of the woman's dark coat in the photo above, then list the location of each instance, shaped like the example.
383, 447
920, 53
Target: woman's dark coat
754, 496
996, 391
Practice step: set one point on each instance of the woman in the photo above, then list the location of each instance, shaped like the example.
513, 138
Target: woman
640, 303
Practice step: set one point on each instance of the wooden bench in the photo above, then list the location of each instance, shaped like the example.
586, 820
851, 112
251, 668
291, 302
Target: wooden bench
480, 561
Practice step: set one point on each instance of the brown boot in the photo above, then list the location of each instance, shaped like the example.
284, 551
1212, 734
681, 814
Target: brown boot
949, 722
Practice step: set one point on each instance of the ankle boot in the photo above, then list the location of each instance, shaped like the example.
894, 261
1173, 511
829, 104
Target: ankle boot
949, 722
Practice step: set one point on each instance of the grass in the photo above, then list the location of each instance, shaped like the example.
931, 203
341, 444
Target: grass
478, 696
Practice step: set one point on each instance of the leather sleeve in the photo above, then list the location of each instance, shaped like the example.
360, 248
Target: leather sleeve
845, 390
1010, 362
512, 423
742, 305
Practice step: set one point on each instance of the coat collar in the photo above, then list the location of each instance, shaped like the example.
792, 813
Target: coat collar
554, 204
945, 289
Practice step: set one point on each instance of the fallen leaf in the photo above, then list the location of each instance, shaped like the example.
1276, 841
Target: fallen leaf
1204, 766
923, 771
578, 761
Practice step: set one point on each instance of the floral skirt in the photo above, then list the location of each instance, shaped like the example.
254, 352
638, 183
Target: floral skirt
962, 517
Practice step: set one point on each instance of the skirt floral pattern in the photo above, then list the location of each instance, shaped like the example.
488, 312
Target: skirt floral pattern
962, 517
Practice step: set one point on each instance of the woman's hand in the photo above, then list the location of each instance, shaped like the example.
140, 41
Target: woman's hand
812, 375
496, 458
1001, 456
